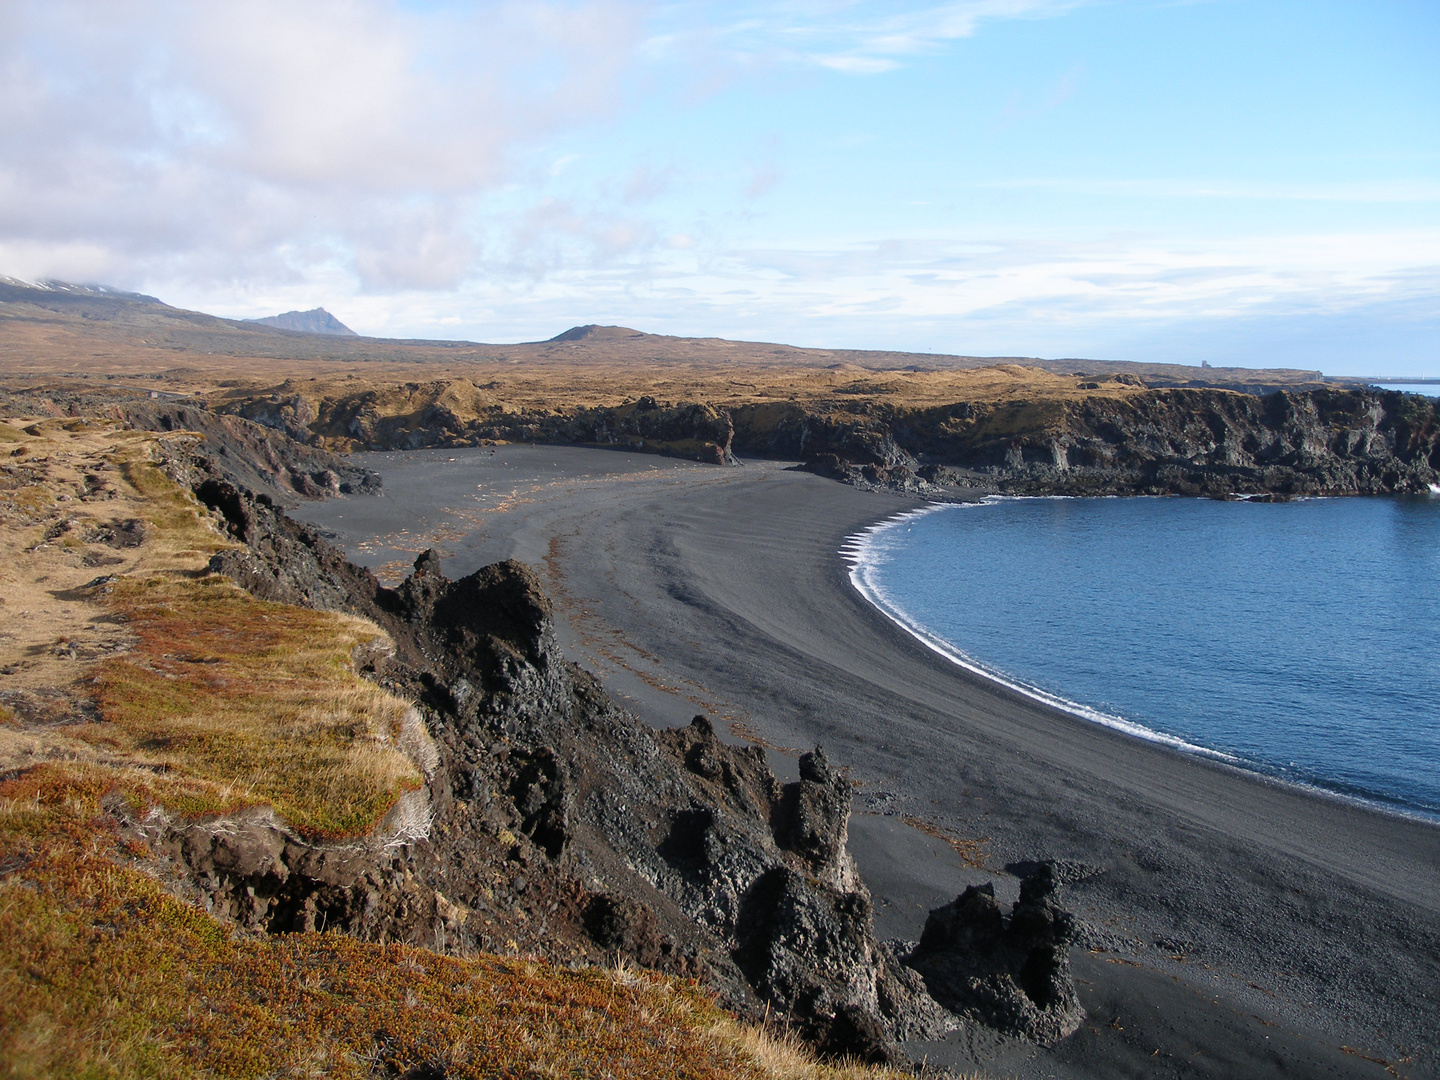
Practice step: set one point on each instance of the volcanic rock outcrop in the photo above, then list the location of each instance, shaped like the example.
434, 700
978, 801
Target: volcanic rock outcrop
1190, 442
1141, 441
451, 413
559, 823
1013, 975
253, 456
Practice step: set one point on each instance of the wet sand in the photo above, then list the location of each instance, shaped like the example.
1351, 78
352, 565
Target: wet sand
1233, 926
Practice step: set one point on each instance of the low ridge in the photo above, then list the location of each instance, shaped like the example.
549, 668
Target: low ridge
597, 332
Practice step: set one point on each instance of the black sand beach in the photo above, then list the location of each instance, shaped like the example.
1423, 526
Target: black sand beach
1234, 927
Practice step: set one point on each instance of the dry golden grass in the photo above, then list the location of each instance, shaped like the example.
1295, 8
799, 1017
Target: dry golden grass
472, 390
169, 688
253, 703
68, 514
105, 974
783, 1056
261, 700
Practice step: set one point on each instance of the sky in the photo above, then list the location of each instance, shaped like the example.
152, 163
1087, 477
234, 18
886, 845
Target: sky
1252, 182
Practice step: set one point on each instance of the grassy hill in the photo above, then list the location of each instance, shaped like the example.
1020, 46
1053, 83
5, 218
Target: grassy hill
63, 329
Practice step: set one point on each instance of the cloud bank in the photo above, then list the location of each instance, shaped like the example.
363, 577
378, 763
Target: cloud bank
505, 169
260, 140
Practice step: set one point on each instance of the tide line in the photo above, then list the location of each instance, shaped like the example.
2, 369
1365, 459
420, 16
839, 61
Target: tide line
862, 551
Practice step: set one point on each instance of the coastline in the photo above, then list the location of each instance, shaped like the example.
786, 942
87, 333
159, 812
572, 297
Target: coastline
855, 552
1215, 893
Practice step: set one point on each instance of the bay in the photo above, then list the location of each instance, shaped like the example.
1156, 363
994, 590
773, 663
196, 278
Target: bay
1301, 639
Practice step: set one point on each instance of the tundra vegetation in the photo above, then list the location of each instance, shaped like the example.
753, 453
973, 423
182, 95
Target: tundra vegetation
139, 686
926, 424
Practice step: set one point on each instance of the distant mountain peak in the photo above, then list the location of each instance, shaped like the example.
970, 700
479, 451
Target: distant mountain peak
594, 330
315, 321
70, 290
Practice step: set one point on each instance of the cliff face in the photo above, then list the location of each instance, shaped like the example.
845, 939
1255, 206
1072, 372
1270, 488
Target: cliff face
1110, 437
1196, 442
450, 413
555, 822
559, 824
253, 456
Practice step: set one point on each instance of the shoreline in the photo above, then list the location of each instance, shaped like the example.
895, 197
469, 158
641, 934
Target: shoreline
853, 551
1255, 925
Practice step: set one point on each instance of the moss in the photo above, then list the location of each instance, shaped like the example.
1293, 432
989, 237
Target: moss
257, 699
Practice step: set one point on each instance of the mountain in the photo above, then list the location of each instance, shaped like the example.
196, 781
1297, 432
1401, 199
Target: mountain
315, 321
63, 295
51, 327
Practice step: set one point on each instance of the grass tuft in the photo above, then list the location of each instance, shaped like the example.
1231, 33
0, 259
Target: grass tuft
258, 699
105, 974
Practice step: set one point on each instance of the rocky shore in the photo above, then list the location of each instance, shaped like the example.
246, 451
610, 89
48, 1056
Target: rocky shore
557, 823
1201, 441
1163, 442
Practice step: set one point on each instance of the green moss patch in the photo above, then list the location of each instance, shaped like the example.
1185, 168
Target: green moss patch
259, 700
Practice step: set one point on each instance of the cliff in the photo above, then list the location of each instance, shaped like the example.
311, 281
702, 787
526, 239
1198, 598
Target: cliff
450, 413
1188, 442
248, 795
561, 824
565, 827
1015, 432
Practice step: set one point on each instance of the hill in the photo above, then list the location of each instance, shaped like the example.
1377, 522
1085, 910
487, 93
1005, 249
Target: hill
315, 321
920, 423
54, 328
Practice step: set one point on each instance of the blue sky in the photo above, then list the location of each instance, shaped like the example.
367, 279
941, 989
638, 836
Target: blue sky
1240, 182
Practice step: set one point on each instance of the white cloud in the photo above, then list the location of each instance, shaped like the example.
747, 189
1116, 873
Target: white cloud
216, 141
856, 37
218, 147
1103, 279
1247, 301
1015, 297
856, 65
407, 165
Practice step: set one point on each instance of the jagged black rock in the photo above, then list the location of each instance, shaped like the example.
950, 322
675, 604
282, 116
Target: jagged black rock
559, 823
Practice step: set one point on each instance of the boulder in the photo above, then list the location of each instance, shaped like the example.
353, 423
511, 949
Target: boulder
1010, 974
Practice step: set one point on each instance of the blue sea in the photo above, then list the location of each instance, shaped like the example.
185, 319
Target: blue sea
1300, 640
1427, 389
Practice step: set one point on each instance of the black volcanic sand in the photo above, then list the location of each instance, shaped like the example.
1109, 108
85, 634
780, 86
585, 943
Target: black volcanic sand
1234, 927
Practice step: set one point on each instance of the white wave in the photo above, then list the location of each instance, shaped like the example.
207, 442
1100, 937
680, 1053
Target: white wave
865, 553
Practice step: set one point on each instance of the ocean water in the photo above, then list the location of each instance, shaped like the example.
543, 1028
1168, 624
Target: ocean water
1427, 389
1300, 640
